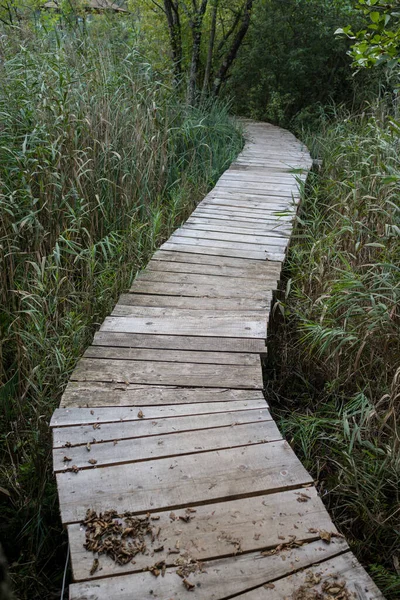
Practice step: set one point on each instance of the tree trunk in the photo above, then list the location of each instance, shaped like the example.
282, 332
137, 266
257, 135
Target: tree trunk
210, 52
233, 50
196, 24
171, 9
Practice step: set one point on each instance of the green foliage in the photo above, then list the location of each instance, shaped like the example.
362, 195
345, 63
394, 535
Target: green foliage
379, 42
99, 162
292, 64
340, 375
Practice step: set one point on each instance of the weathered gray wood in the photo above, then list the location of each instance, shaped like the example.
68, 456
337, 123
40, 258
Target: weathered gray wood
139, 449
142, 427
228, 284
192, 302
218, 248
150, 285
219, 579
275, 227
248, 217
216, 530
252, 266
268, 272
183, 481
155, 403
259, 203
179, 342
213, 225
166, 373
344, 568
175, 356
263, 241
236, 324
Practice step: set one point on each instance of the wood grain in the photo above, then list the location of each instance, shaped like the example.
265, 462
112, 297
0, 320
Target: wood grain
182, 481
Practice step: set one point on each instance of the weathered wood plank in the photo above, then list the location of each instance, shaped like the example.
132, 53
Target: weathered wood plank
205, 323
140, 449
218, 248
179, 342
216, 530
176, 356
219, 579
252, 266
192, 302
150, 285
183, 481
260, 240
166, 373
248, 217
144, 426
155, 403
259, 203
226, 282
269, 271
214, 225
340, 569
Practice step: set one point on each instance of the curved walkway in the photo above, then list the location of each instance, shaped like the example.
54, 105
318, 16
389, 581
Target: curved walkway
164, 429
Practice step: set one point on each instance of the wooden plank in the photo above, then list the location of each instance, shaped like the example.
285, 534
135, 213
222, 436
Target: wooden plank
150, 448
274, 226
261, 190
176, 356
220, 579
178, 342
340, 569
235, 324
270, 189
216, 530
260, 240
269, 272
252, 266
273, 170
220, 251
228, 283
172, 313
150, 285
250, 198
214, 225
260, 203
218, 248
193, 303
157, 404
184, 481
166, 373
263, 176
244, 213
143, 427
247, 216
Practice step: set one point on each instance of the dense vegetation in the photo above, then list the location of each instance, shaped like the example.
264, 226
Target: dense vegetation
338, 369
110, 131
99, 162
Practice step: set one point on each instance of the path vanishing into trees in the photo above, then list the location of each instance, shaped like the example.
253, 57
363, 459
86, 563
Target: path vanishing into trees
164, 429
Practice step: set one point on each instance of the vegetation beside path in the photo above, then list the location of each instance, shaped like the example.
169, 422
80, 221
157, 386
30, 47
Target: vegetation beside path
99, 163
335, 377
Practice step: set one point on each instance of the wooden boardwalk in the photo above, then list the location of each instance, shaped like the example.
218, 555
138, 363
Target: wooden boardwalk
164, 428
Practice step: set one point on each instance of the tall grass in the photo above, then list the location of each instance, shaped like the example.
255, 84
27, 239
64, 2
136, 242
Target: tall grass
339, 387
98, 163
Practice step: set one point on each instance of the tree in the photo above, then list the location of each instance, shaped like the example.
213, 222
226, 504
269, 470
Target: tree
379, 42
204, 39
